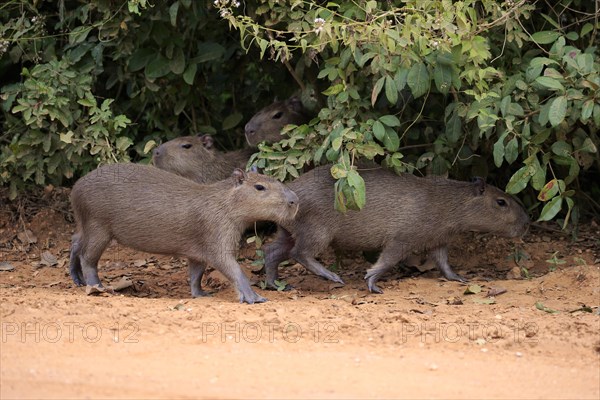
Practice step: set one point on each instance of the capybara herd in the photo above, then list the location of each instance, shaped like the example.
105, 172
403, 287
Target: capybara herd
196, 201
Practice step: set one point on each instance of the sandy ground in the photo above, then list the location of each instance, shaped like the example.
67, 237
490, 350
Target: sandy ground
423, 338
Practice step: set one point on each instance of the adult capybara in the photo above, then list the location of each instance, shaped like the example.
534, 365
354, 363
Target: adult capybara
266, 124
402, 214
195, 158
151, 210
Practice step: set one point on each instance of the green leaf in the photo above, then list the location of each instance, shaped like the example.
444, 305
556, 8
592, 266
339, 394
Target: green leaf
587, 28
149, 146
540, 306
370, 150
87, 102
389, 120
586, 110
551, 209
211, 51
140, 59
519, 180
190, 73
66, 137
454, 128
379, 130
562, 148
539, 176
557, 110
549, 190
400, 78
231, 121
442, 76
177, 64
157, 68
377, 89
511, 152
79, 34
473, 289
338, 171
541, 62
391, 91
499, 150
391, 140
173, 13
418, 79
588, 146
333, 90
358, 184
572, 36
552, 21
123, 142
550, 83
545, 37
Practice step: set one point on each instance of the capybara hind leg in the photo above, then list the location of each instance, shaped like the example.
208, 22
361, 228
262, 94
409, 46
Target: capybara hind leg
309, 262
440, 256
231, 269
275, 253
75, 261
196, 270
91, 250
389, 257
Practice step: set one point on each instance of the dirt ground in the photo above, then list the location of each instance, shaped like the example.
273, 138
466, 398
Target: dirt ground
423, 338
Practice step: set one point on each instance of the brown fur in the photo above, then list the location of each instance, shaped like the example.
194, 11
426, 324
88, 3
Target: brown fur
402, 214
194, 157
266, 124
151, 210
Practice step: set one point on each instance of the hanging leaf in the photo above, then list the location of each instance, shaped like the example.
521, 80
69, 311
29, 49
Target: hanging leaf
376, 90
418, 79
551, 209
558, 110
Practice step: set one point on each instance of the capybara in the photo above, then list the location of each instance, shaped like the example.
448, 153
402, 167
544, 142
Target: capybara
266, 124
155, 211
402, 214
195, 158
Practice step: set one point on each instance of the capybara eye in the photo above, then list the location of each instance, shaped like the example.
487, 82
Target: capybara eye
501, 202
259, 187
278, 115
187, 146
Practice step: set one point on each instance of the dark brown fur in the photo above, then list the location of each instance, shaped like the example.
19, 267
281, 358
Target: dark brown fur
194, 157
266, 124
151, 210
402, 214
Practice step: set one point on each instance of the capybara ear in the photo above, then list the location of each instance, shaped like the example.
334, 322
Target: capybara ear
295, 103
478, 185
239, 176
207, 141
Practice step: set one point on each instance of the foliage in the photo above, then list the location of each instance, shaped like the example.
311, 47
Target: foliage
86, 83
508, 90
443, 86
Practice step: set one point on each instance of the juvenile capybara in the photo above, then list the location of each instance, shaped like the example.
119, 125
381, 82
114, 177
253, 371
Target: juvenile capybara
195, 158
151, 210
402, 214
266, 124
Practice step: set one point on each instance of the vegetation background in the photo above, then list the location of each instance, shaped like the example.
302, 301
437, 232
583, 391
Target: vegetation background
506, 90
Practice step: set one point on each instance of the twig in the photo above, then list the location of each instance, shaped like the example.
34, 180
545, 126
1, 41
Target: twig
293, 73
500, 20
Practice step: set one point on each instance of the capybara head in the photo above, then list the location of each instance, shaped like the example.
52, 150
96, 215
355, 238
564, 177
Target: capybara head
188, 156
489, 209
266, 125
264, 198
